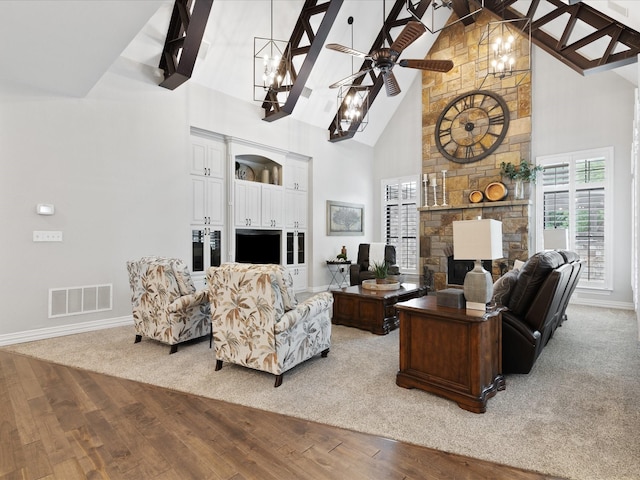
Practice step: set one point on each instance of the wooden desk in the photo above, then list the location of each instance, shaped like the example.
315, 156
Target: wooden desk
450, 352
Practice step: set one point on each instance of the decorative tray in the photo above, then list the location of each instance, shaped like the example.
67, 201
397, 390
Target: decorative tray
372, 285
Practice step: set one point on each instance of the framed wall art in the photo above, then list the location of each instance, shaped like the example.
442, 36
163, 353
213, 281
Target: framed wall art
345, 219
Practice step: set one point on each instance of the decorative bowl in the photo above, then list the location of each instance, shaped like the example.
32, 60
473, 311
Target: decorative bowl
496, 191
476, 196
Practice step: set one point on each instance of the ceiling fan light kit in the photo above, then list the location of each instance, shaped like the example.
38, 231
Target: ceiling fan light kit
384, 59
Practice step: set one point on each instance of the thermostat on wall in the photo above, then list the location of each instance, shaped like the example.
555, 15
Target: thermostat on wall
45, 209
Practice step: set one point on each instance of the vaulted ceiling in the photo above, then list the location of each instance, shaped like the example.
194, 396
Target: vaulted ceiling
63, 47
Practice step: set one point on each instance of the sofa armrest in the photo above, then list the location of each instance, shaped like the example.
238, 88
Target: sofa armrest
520, 327
310, 308
185, 302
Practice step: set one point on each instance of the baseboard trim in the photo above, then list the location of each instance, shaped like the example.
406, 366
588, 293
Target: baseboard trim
62, 330
601, 303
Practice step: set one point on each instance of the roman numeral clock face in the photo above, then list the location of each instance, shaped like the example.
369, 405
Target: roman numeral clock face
472, 126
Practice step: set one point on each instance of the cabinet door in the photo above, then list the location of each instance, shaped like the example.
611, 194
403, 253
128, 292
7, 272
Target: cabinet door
272, 206
207, 200
207, 157
296, 175
206, 249
215, 201
247, 204
296, 248
299, 276
295, 209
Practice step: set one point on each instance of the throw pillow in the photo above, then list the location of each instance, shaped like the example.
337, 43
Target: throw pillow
503, 287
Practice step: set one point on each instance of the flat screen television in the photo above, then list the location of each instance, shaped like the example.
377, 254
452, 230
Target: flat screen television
258, 246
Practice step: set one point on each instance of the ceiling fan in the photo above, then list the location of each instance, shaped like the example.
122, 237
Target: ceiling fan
384, 59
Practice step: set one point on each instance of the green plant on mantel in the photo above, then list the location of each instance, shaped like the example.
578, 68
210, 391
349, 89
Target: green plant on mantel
525, 171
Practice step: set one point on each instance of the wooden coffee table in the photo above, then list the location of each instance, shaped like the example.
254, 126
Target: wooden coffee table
372, 310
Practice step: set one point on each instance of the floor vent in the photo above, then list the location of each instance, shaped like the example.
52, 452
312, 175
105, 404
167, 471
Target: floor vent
78, 300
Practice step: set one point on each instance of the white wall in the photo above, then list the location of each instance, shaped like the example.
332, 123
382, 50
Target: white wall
571, 113
115, 166
399, 149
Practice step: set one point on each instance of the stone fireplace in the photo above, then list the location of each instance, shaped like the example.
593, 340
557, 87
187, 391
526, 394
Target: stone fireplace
461, 44
436, 241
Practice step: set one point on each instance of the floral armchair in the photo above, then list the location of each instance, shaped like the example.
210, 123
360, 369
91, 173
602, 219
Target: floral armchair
258, 323
166, 305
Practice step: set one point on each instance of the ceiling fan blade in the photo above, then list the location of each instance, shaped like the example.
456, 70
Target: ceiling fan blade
341, 48
349, 79
390, 84
435, 65
409, 34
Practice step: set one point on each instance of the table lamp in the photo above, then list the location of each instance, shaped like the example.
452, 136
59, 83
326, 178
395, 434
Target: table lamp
477, 240
556, 239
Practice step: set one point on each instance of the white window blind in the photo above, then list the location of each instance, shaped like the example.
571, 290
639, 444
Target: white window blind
575, 194
400, 211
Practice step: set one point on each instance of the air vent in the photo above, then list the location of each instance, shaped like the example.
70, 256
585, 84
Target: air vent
306, 92
78, 300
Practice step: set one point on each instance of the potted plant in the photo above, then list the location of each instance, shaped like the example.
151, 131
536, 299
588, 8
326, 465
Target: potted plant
380, 271
525, 172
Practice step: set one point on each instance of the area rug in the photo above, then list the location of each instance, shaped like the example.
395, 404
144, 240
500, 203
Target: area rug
576, 415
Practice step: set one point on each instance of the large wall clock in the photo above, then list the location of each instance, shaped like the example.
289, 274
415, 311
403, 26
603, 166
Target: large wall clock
472, 126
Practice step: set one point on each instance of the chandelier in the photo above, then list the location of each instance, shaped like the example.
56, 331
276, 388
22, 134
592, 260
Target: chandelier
271, 67
353, 101
505, 51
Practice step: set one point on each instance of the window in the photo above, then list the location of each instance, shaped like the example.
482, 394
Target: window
575, 193
400, 198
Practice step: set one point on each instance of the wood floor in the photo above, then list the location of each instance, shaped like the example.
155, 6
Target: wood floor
63, 423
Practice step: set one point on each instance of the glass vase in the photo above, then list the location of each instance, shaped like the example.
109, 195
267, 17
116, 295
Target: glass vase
519, 189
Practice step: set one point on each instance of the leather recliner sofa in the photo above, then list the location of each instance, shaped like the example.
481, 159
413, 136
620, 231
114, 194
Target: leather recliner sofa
536, 306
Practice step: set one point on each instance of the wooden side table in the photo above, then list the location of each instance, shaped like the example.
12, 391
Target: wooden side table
454, 353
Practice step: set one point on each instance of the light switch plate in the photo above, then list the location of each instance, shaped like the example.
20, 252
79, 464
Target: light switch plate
47, 236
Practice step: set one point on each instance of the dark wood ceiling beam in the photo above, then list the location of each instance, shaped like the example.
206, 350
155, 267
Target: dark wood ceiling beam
569, 53
184, 37
330, 9
394, 19
462, 10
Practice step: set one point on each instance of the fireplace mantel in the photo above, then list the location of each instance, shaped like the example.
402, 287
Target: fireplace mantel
506, 203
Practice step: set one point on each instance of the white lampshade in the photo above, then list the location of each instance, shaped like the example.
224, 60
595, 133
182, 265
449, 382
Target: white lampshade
477, 239
556, 239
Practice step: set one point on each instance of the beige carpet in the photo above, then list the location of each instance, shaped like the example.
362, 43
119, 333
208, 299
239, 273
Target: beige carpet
576, 415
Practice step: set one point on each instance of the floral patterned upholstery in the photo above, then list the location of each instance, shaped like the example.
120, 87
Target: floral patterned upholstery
258, 323
166, 305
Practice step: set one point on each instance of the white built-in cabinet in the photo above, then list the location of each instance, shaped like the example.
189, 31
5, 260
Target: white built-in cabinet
207, 167
272, 194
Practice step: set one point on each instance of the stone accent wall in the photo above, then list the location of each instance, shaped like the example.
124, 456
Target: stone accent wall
462, 45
